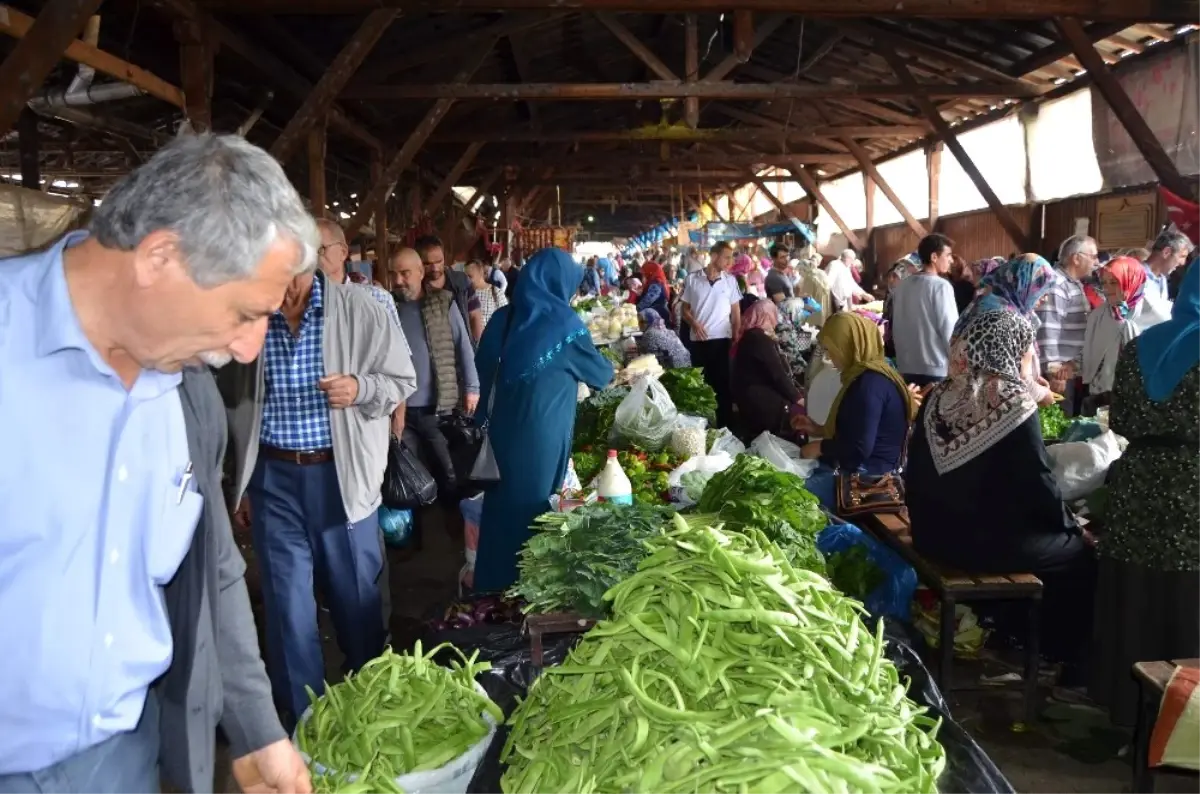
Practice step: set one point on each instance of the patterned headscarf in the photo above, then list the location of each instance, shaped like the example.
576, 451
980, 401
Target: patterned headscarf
762, 315
651, 318
1017, 286
984, 397
1131, 275
985, 267
859, 345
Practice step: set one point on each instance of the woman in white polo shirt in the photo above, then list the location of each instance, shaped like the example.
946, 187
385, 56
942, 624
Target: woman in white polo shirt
711, 312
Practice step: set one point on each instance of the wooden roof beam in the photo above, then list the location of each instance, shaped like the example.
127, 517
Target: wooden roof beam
1124, 109
943, 130
674, 89
641, 51
382, 186
784, 212
58, 24
318, 102
1173, 11
762, 32
18, 25
872, 173
452, 177
810, 186
681, 134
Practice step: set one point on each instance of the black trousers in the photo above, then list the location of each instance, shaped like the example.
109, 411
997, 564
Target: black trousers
712, 355
422, 429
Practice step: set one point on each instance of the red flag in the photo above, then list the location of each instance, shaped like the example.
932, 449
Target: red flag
1183, 213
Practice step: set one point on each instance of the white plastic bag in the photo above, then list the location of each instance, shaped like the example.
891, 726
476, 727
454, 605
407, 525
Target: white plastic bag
783, 455
646, 416
1081, 466
727, 442
690, 436
705, 464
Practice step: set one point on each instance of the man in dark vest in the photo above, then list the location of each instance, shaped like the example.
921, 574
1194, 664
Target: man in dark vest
442, 356
439, 275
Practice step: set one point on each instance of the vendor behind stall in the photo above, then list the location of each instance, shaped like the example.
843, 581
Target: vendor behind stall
763, 388
981, 491
868, 421
661, 342
1148, 590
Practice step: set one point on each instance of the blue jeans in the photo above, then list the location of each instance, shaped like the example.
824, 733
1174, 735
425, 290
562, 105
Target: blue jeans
822, 484
127, 762
302, 537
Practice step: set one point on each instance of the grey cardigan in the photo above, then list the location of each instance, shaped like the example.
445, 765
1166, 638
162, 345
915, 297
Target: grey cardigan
216, 674
362, 340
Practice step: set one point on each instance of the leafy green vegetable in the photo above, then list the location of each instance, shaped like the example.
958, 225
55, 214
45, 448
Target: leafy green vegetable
723, 669
1053, 421
594, 418
753, 493
694, 483
690, 392
853, 572
613, 355
573, 558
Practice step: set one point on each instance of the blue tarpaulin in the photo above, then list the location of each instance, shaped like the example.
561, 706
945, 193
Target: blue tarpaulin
790, 226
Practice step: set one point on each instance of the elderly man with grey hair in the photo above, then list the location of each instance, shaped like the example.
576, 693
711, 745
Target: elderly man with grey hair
310, 427
1062, 317
128, 629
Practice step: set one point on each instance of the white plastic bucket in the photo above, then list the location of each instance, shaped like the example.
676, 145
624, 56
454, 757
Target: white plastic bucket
453, 778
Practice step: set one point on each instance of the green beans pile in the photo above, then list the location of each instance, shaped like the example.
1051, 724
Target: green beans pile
400, 713
725, 669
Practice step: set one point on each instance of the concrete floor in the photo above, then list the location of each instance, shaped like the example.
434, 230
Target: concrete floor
1072, 749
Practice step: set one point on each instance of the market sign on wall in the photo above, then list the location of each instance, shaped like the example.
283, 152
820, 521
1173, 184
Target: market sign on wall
1125, 221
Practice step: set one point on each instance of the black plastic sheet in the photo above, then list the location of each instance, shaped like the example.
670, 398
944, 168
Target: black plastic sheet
968, 768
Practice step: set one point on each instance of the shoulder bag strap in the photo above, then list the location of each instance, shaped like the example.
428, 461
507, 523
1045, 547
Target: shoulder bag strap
499, 364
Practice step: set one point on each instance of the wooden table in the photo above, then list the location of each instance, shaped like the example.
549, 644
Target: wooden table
1152, 679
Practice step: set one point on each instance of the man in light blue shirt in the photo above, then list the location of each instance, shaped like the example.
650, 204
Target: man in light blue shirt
100, 494
1170, 251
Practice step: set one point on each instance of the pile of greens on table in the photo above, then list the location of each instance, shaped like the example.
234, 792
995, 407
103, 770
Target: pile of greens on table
574, 558
594, 418
753, 493
690, 392
853, 572
1053, 421
723, 668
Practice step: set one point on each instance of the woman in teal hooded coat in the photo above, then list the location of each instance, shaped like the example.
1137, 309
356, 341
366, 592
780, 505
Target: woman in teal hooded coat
533, 355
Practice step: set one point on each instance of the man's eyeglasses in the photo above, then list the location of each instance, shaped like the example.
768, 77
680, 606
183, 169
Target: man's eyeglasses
326, 248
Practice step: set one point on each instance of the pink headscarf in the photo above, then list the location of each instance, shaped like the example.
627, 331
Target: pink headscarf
741, 265
763, 315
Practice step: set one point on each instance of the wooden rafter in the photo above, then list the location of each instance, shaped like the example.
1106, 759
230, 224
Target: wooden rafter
1123, 108
318, 102
484, 187
762, 32
947, 135
676, 89
30, 62
1180, 11
814, 191
452, 177
317, 193
933, 167
872, 173
382, 243
641, 51
18, 25
197, 53
784, 212
382, 186
691, 64
682, 134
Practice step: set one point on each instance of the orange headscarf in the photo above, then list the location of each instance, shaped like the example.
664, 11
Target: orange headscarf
652, 273
1131, 275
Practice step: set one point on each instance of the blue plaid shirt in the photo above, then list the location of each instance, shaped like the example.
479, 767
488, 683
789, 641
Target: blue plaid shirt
296, 412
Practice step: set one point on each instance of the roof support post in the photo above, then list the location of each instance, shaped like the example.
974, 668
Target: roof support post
869, 197
933, 168
762, 188
58, 24
691, 63
28, 145
814, 191
197, 50
743, 34
872, 174
463, 163
316, 170
947, 135
382, 187
733, 60
322, 96
382, 244
712, 205
643, 53
1143, 137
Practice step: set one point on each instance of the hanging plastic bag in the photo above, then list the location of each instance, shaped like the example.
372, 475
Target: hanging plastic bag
685, 484
783, 455
895, 580
472, 513
1081, 466
406, 482
726, 442
646, 416
397, 526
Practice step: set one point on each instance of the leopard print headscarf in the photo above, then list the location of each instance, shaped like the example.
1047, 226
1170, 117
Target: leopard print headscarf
984, 397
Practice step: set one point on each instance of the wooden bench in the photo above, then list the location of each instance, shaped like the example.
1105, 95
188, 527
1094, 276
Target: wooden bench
1152, 679
952, 587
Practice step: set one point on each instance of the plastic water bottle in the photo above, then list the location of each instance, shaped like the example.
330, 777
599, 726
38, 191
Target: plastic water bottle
614, 485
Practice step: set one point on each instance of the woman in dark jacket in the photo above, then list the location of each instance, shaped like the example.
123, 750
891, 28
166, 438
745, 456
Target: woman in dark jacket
763, 389
981, 491
869, 418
